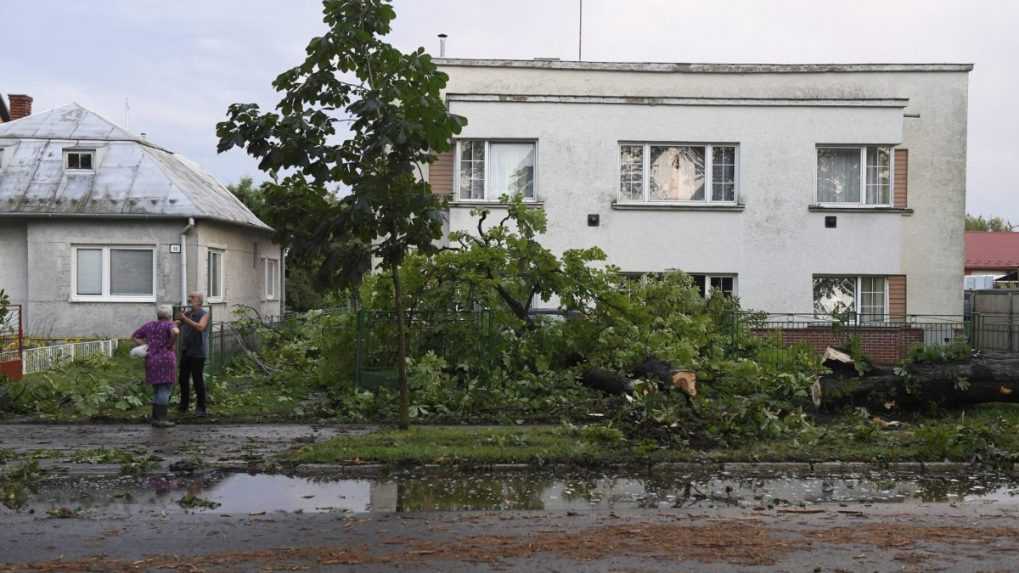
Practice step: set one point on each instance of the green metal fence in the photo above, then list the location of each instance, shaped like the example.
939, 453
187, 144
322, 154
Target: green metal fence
448, 334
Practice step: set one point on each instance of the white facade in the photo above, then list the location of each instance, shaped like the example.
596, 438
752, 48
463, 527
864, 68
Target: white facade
773, 237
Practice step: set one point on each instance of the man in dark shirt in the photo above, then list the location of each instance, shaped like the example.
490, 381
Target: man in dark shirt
194, 334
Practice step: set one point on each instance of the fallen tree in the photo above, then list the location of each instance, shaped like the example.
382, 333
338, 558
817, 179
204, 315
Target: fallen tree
661, 372
983, 378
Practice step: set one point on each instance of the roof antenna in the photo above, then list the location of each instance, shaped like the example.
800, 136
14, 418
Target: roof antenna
442, 45
127, 114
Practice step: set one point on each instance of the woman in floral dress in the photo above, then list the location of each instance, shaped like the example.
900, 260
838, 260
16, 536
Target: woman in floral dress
160, 361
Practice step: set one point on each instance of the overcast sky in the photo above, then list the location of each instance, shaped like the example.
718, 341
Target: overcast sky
181, 63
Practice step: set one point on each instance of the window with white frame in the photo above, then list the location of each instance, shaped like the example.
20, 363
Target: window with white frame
854, 175
489, 169
678, 173
113, 273
707, 284
79, 160
1, 158
272, 273
215, 275
710, 285
862, 298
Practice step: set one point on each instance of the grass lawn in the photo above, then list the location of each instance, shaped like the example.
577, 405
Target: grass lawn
989, 431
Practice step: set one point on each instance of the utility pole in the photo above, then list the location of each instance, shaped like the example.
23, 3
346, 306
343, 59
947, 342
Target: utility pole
580, 33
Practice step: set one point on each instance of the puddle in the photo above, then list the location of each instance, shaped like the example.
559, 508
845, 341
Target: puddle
255, 494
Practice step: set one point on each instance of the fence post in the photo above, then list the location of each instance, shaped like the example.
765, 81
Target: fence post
359, 347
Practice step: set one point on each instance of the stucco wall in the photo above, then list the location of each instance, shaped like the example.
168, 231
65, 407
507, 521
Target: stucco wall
13, 260
47, 250
775, 244
50, 311
244, 258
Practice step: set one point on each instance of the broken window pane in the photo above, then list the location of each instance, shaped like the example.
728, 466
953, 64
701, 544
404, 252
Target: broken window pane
838, 175
723, 173
834, 295
631, 172
512, 169
879, 175
677, 173
472, 170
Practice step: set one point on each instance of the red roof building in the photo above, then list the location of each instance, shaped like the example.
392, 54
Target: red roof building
991, 252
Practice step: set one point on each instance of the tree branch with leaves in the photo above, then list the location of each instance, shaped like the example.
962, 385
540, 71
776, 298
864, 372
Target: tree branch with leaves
357, 113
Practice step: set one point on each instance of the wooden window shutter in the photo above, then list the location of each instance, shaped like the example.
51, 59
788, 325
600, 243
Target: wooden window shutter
897, 297
440, 174
901, 178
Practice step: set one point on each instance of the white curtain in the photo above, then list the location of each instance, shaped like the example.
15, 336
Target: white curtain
131, 272
677, 173
838, 175
511, 169
90, 271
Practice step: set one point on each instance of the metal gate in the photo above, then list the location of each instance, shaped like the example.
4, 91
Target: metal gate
995, 320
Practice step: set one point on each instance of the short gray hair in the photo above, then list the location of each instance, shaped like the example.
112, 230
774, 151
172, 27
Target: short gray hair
200, 295
164, 312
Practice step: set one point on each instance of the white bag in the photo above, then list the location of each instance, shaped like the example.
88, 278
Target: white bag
140, 351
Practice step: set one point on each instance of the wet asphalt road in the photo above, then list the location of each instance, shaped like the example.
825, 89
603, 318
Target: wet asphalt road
945, 538
966, 536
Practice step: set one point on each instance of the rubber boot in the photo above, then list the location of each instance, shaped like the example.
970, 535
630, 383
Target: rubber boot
159, 417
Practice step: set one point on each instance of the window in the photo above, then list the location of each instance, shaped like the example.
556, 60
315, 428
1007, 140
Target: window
490, 169
677, 173
215, 275
854, 175
708, 285
1, 158
272, 271
113, 274
860, 299
79, 160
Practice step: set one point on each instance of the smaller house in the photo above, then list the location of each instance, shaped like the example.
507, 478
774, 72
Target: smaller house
991, 257
99, 225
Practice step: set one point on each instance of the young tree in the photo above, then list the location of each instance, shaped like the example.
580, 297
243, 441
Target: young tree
392, 106
995, 224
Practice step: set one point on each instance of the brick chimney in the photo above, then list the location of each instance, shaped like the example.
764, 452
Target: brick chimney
21, 106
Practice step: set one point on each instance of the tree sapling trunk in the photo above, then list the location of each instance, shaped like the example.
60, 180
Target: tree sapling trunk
402, 336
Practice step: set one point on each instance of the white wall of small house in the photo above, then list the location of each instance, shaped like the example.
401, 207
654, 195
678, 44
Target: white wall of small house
43, 261
244, 259
52, 313
14, 260
775, 245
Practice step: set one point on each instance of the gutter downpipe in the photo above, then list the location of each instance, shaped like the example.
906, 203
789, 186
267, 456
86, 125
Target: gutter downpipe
283, 283
184, 261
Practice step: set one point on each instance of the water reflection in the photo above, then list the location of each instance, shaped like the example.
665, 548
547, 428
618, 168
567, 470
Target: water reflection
255, 494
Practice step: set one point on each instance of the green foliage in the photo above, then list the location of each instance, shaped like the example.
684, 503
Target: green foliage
955, 351
5, 301
91, 388
18, 483
996, 224
191, 501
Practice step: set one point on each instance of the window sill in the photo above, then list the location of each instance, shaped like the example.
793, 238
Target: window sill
118, 299
718, 208
492, 204
848, 209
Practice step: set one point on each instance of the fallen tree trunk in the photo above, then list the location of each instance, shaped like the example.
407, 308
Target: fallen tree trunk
989, 378
651, 369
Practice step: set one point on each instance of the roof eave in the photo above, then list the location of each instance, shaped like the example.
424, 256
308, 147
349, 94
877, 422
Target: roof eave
708, 68
136, 216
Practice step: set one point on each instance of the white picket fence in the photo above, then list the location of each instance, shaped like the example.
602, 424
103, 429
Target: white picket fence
46, 357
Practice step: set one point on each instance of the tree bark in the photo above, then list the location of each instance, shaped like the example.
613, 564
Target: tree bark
989, 378
402, 336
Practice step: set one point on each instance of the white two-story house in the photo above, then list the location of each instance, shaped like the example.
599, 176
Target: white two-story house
798, 188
